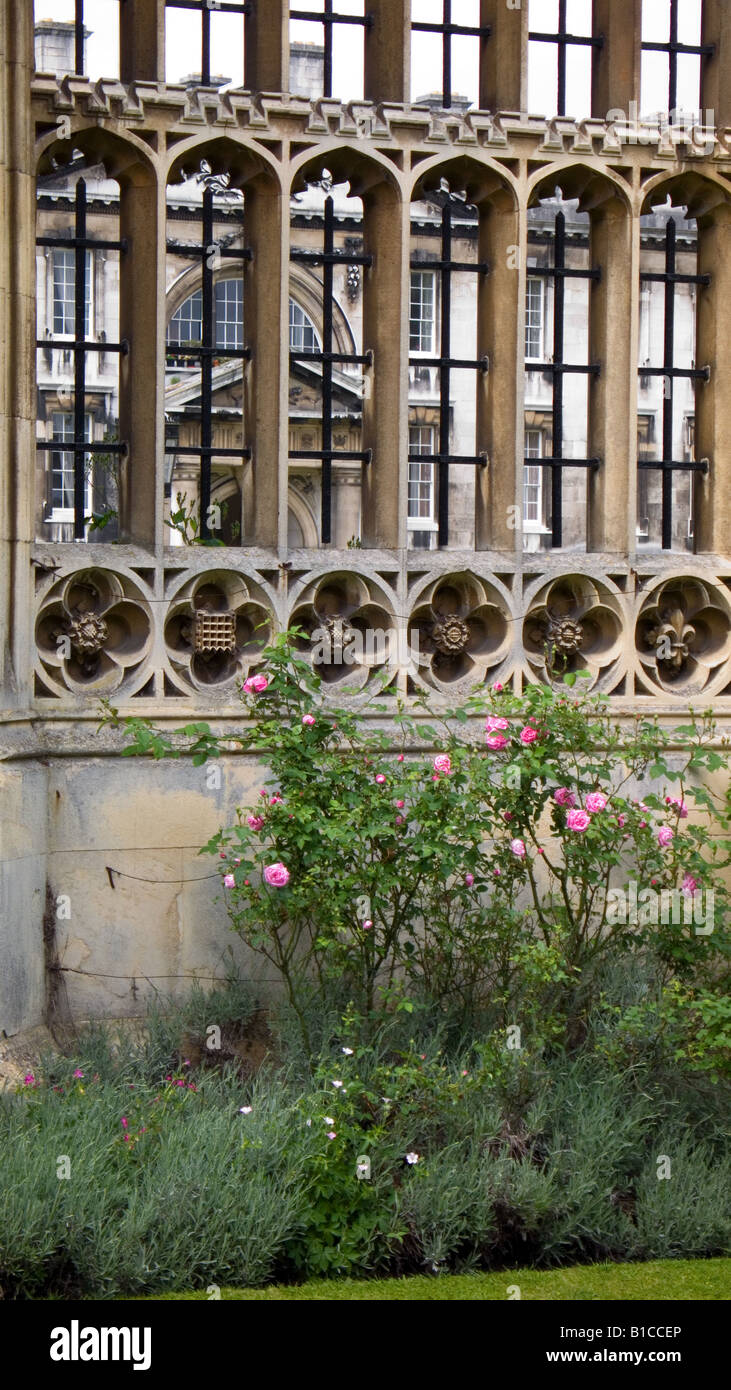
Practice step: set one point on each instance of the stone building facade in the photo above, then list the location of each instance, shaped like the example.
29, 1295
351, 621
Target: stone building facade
494, 338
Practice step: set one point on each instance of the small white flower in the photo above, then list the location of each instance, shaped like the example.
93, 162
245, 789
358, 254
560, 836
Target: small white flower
348, 1051
412, 1158
245, 1110
337, 1085
329, 1120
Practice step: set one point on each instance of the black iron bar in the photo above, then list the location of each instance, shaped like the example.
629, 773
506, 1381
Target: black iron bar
328, 17
562, 38
448, 31
673, 47
328, 258
559, 272
204, 8
671, 277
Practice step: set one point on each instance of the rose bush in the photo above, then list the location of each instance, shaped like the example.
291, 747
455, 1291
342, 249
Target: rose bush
491, 856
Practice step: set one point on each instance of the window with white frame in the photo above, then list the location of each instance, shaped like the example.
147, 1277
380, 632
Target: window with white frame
533, 499
64, 293
421, 312
422, 523
534, 319
302, 335
229, 296
62, 467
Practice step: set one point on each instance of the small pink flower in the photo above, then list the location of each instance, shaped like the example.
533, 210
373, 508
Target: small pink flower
643, 823
399, 820
442, 763
497, 687
229, 881
469, 879
496, 741
78, 1072
541, 851
254, 685
380, 778
494, 725
256, 822
276, 875
367, 924
577, 820
125, 1122
563, 797
497, 872
29, 1079
596, 801
621, 820
263, 792
332, 1134
690, 886
400, 805
507, 816
517, 847
186, 1062
400, 758
277, 800
528, 735
308, 719
664, 836
435, 777
679, 805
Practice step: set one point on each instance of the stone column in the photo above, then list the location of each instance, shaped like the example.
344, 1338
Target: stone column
267, 47
266, 376
616, 66
716, 68
385, 331
388, 52
612, 396
142, 372
17, 349
504, 58
712, 494
500, 334
346, 503
142, 40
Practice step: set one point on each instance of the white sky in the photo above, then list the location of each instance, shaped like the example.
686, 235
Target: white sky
184, 29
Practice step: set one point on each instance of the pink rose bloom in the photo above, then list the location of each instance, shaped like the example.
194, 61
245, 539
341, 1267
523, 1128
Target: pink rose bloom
400, 805
255, 684
507, 815
577, 820
367, 924
399, 820
442, 763
469, 879
664, 836
493, 723
596, 801
563, 797
679, 805
400, 758
229, 881
276, 875
277, 800
528, 735
308, 719
517, 848
690, 886
497, 687
496, 872
621, 820
256, 822
380, 778
496, 741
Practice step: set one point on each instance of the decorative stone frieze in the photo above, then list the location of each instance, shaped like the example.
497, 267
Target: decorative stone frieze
459, 631
216, 628
349, 628
683, 636
93, 633
575, 623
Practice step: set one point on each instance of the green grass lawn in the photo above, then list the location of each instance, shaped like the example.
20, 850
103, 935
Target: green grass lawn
658, 1279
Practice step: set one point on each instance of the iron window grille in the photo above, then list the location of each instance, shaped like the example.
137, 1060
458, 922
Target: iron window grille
445, 267
206, 8
80, 34
328, 18
559, 273
667, 465
449, 30
210, 252
81, 346
673, 47
328, 258
563, 39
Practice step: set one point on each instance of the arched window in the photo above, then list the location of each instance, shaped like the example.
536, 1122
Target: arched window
186, 325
